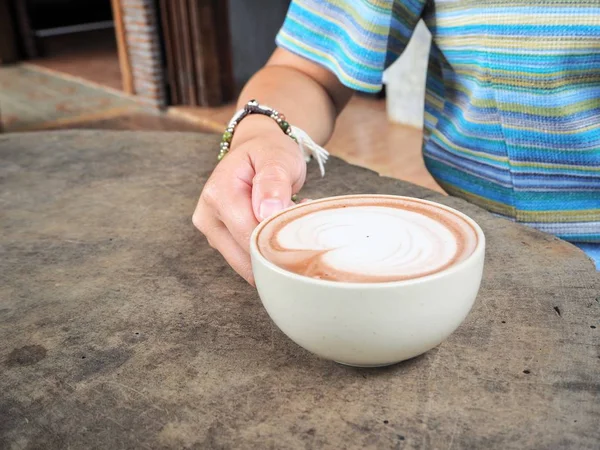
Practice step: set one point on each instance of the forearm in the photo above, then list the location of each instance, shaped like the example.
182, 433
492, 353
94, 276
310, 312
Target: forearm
309, 96
304, 102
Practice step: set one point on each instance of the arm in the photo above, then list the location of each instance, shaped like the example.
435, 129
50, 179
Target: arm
309, 95
264, 166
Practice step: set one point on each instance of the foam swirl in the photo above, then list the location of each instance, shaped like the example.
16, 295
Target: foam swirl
367, 239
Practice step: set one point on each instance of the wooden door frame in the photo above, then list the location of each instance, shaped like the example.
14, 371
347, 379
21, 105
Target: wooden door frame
9, 48
120, 34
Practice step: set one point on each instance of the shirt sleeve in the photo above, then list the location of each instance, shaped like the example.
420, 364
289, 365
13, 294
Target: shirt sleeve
355, 39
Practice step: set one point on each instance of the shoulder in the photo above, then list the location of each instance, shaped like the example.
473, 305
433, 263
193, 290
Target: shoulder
349, 37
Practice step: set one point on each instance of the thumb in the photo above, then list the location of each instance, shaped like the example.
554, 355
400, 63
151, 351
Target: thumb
271, 188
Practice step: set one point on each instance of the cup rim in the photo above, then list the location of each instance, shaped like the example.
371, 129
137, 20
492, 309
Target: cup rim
479, 248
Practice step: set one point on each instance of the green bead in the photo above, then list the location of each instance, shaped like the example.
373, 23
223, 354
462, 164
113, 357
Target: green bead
227, 136
221, 155
284, 125
295, 198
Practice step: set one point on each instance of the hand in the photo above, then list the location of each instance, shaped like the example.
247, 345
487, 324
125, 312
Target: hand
256, 179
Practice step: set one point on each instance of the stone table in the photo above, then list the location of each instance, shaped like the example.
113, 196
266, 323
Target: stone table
120, 327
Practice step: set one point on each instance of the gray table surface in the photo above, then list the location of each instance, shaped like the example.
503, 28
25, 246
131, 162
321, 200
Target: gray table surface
121, 328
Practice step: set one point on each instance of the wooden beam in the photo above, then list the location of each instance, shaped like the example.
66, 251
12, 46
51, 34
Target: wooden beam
8, 43
197, 51
212, 51
168, 38
25, 32
225, 52
124, 61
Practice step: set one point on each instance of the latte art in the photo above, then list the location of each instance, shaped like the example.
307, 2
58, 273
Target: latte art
367, 239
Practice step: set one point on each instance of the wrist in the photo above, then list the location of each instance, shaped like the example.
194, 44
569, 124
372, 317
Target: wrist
255, 126
243, 126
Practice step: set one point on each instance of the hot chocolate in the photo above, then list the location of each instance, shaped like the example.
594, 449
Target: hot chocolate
367, 239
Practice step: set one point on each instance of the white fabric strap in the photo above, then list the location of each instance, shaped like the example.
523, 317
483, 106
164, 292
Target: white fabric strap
310, 149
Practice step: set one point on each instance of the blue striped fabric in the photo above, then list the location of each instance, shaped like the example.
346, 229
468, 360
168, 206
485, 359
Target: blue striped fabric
512, 109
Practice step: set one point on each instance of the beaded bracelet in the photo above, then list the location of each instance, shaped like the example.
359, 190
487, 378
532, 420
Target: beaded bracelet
252, 107
308, 147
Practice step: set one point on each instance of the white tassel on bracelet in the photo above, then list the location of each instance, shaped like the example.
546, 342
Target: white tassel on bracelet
309, 148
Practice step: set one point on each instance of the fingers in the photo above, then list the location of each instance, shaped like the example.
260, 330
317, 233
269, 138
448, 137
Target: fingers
279, 174
220, 238
272, 190
238, 216
227, 197
251, 184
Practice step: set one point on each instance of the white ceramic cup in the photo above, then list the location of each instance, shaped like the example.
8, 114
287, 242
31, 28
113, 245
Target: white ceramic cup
369, 324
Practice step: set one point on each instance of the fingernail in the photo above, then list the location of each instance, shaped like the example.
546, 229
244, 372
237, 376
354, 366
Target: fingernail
269, 206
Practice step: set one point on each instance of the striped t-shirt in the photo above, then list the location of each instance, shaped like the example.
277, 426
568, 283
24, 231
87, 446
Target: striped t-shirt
512, 109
